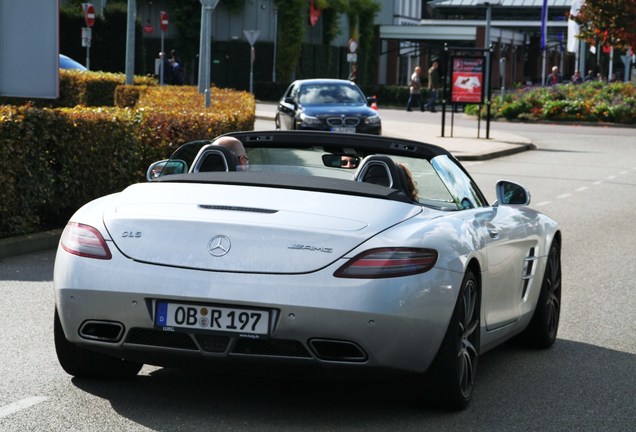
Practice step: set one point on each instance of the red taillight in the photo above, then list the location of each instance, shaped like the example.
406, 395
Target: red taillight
85, 241
388, 262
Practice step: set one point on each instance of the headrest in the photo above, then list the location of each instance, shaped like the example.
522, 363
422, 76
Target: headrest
215, 158
378, 169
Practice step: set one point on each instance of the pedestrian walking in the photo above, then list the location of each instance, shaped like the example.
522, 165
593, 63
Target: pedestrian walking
165, 71
433, 85
353, 75
177, 69
415, 90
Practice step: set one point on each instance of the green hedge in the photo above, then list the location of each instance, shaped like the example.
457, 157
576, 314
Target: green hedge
89, 89
54, 160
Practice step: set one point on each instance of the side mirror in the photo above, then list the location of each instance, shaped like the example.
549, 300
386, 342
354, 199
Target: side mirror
510, 193
289, 100
166, 167
371, 100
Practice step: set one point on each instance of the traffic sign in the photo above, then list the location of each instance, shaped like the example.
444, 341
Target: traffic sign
89, 14
353, 46
87, 35
252, 36
163, 18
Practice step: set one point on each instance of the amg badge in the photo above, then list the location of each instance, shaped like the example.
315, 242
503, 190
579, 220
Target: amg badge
311, 248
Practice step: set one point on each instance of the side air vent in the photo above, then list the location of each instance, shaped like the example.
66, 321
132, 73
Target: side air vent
528, 271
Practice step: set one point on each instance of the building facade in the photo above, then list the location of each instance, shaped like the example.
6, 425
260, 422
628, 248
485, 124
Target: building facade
410, 33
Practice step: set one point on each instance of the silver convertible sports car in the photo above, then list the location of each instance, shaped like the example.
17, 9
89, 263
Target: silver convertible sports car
356, 252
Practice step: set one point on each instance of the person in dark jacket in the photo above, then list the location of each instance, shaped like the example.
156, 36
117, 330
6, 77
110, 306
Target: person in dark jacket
554, 78
177, 69
433, 85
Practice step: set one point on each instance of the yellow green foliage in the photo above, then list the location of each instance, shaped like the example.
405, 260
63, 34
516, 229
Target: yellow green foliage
53, 160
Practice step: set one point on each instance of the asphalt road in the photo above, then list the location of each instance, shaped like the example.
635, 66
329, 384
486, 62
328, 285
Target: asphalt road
585, 177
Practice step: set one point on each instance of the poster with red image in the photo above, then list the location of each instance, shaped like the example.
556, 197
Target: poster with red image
467, 80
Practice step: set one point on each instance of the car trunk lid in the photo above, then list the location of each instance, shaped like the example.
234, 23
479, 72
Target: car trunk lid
245, 228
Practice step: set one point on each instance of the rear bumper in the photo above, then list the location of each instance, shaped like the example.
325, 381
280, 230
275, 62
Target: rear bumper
395, 324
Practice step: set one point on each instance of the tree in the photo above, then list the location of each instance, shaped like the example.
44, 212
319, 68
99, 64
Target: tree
291, 29
609, 22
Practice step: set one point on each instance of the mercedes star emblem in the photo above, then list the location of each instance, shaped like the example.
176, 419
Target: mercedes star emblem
219, 245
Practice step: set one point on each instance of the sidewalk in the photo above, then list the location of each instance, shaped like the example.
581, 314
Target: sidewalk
426, 127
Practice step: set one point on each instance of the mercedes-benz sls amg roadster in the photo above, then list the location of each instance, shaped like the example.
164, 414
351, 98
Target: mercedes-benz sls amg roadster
355, 252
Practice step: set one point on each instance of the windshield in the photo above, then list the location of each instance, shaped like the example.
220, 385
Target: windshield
330, 94
438, 184
429, 189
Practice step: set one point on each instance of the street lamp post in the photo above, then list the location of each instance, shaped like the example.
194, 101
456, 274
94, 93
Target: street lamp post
207, 7
252, 36
130, 42
275, 42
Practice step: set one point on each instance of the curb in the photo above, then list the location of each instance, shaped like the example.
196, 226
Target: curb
29, 243
520, 148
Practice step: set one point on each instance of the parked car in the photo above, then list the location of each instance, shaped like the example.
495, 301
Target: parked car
68, 63
327, 105
330, 250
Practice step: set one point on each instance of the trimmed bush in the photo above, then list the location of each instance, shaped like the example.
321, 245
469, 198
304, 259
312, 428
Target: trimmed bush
83, 88
54, 160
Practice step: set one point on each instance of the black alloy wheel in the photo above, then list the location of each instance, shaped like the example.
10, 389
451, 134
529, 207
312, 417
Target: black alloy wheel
452, 374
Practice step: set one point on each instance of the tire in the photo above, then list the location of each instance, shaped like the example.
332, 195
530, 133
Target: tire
452, 374
542, 330
83, 363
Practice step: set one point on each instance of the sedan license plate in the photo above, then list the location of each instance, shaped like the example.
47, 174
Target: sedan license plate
174, 316
344, 129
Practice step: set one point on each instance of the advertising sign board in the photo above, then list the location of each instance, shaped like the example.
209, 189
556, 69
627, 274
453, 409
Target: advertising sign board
467, 78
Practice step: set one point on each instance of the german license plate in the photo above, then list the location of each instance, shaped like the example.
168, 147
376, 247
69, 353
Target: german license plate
174, 316
344, 129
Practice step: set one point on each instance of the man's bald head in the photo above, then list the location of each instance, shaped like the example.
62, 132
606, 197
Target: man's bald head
235, 146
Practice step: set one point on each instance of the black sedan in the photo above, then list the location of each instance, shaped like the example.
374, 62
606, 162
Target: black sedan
327, 105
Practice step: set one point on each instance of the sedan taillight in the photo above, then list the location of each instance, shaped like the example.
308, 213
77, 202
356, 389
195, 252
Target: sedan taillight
388, 262
85, 241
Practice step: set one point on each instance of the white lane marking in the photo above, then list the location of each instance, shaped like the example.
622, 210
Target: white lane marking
581, 189
612, 177
623, 172
596, 183
543, 203
20, 405
565, 195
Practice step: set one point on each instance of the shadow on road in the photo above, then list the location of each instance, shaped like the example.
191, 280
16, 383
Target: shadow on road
573, 386
32, 267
